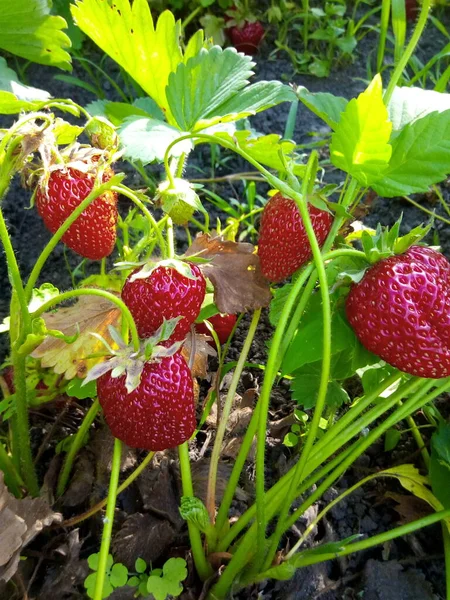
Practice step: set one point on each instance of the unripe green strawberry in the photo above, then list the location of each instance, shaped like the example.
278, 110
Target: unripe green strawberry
102, 134
179, 201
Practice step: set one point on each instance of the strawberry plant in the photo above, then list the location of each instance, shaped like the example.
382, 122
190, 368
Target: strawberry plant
363, 304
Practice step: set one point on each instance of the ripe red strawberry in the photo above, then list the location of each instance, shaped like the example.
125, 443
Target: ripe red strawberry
165, 294
283, 246
400, 311
246, 36
93, 235
222, 325
159, 413
8, 376
411, 8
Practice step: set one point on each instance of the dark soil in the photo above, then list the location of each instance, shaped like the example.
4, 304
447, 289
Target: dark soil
147, 524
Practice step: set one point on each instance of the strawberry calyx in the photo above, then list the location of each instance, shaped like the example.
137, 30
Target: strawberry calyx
238, 16
127, 360
181, 266
385, 242
178, 199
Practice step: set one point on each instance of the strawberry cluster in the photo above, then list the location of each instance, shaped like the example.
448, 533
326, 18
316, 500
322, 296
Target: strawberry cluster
148, 396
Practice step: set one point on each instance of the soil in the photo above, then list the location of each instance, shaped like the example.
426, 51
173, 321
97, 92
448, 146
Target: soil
147, 523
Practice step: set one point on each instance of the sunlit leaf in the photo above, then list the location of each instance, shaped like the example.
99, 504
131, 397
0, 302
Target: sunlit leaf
266, 149
360, 145
127, 34
410, 103
420, 157
28, 30
212, 88
15, 96
147, 139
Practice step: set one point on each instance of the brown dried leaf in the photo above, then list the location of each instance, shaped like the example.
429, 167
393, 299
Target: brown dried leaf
62, 583
142, 536
20, 522
199, 366
409, 508
234, 271
89, 314
160, 489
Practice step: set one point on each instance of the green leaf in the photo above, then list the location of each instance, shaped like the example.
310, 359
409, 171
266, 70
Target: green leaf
420, 157
410, 103
209, 89
76, 389
440, 464
125, 31
209, 309
65, 132
290, 440
135, 581
319, 67
253, 99
360, 145
62, 8
305, 388
140, 565
14, 96
119, 575
93, 561
391, 439
326, 106
307, 344
149, 106
28, 30
198, 88
278, 301
175, 569
266, 149
159, 587
147, 139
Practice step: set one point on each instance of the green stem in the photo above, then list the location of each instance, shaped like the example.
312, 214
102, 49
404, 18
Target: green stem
446, 540
204, 569
77, 443
108, 520
215, 456
59, 233
263, 403
326, 356
170, 239
312, 558
125, 191
14, 276
94, 292
394, 418
291, 120
322, 450
402, 63
13, 479
190, 17
22, 428
419, 441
